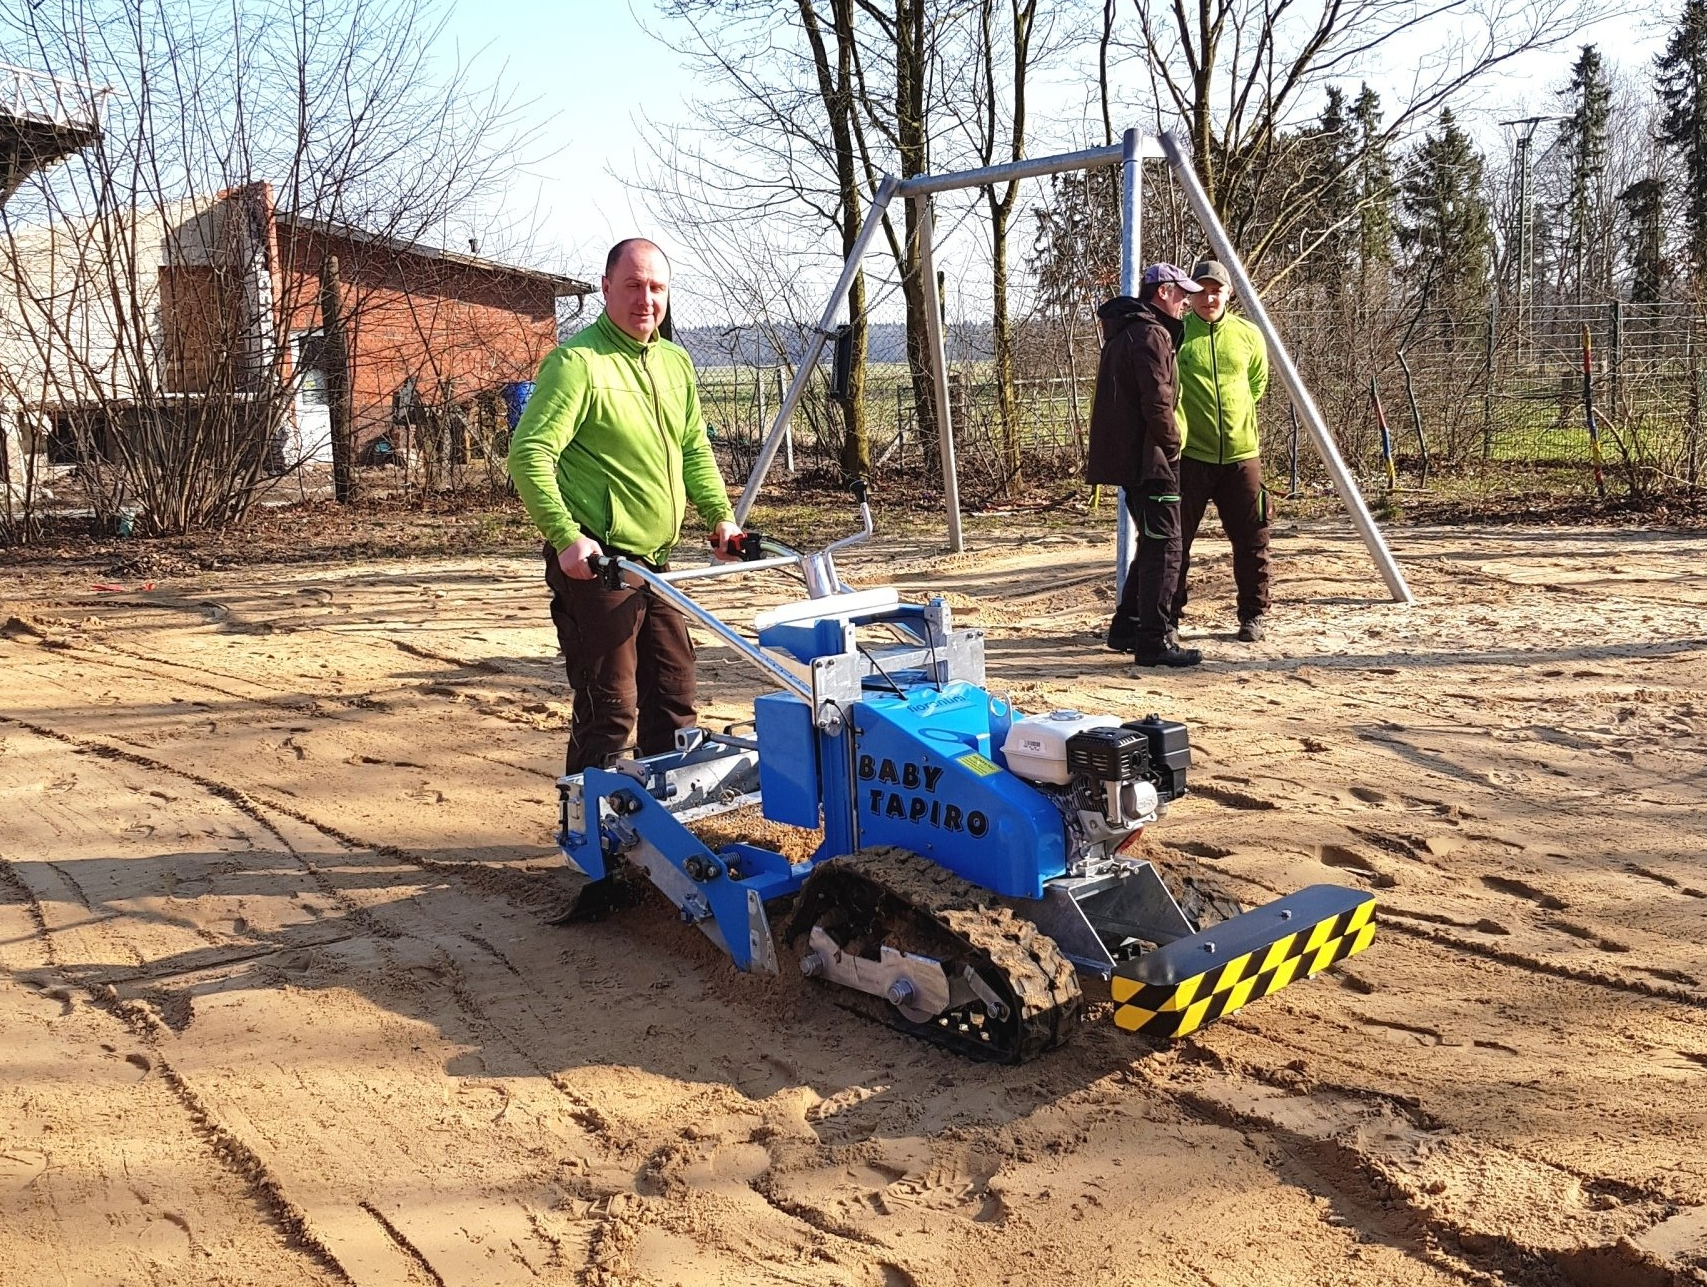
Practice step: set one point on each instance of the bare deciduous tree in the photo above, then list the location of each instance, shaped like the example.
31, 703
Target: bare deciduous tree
1241, 74
149, 298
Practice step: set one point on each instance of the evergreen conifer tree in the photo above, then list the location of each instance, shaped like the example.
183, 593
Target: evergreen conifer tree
1681, 76
1644, 215
1328, 152
1583, 216
1373, 184
1443, 224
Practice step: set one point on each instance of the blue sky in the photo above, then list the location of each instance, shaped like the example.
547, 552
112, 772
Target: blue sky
591, 72
595, 76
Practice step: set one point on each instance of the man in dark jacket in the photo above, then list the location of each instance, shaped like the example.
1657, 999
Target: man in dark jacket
1135, 445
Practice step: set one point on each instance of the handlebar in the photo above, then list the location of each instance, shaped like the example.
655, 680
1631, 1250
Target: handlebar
753, 553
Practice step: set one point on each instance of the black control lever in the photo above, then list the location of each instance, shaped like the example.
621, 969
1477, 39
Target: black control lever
607, 570
747, 547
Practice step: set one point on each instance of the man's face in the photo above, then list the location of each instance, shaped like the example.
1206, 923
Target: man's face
1171, 299
637, 291
1211, 302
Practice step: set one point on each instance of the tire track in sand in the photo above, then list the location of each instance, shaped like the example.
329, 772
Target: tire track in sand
583, 1111
235, 1157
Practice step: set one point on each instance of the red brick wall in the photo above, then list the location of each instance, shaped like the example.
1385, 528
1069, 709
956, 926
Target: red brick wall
415, 316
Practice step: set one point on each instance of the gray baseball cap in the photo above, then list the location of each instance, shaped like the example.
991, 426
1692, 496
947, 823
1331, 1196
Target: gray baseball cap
1212, 270
1156, 274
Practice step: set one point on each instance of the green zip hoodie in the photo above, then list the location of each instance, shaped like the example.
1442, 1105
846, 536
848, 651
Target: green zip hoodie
1223, 370
612, 444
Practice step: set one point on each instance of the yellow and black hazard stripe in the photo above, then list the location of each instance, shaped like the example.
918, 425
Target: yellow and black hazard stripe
1168, 993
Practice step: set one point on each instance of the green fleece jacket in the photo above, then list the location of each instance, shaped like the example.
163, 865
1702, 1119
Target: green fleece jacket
1223, 370
612, 445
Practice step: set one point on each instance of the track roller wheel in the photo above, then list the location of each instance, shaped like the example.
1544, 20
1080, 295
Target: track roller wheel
1013, 994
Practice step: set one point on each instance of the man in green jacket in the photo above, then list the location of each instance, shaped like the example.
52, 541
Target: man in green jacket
605, 458
1223, 371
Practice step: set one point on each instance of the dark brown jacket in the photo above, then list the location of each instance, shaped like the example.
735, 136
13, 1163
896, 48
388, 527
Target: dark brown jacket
1134, 436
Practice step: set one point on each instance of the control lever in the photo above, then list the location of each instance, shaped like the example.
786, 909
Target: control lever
607, 570
745, 547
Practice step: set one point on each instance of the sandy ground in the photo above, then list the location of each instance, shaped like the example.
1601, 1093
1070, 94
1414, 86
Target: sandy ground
277, 1006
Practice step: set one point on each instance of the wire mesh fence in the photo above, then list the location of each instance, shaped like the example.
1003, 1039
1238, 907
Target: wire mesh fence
1487, 394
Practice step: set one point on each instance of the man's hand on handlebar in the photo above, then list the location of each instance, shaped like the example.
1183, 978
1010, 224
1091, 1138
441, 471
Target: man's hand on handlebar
726, 542
575, 558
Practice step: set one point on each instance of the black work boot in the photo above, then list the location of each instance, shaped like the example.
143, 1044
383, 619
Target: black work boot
1166, 654
1122, 634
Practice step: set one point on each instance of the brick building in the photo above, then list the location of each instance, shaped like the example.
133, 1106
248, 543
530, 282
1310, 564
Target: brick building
425, 327
213, 309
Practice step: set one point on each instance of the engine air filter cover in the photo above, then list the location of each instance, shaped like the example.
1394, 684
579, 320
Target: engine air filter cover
1109, 754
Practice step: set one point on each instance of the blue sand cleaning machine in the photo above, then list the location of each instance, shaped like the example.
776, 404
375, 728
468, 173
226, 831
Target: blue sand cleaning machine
975, 861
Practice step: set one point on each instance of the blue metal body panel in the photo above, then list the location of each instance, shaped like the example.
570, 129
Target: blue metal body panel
788, 763
925, 779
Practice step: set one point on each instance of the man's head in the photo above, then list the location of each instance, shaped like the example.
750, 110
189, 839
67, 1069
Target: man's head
636, 287
1168, 288
1211, 302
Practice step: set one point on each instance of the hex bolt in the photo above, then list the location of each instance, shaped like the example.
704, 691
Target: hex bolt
900, 992
812, 965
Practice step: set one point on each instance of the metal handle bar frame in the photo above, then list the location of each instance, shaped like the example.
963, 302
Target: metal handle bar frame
660, 583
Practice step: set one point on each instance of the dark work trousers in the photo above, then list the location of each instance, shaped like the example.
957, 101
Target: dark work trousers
1242, 502
1150, 581
630, 662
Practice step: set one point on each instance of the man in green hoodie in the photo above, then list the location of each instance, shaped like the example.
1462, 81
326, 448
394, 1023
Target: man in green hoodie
608, 452
1223, 371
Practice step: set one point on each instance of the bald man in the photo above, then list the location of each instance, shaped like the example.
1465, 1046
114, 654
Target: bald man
605, 458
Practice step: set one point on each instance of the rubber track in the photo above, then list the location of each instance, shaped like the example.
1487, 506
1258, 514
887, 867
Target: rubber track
1038, 976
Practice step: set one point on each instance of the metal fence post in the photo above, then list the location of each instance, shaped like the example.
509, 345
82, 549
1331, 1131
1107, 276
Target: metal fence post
1697, 396
1488, 381
758, 402
1617, 357
1131, 266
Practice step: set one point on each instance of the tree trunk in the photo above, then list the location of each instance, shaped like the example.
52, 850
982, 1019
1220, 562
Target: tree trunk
335, 357
912, 138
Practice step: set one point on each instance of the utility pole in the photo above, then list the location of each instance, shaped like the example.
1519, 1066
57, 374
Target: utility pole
1524, 300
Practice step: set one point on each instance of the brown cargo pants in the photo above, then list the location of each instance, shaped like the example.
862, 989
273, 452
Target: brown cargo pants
630, 663
1242, 502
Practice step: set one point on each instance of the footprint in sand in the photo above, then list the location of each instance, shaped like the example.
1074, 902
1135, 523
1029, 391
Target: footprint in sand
1588, 935
425, 794
1361, 865
1230, 798
1518, 889
1446, 846
1369, 795
1407, 1031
